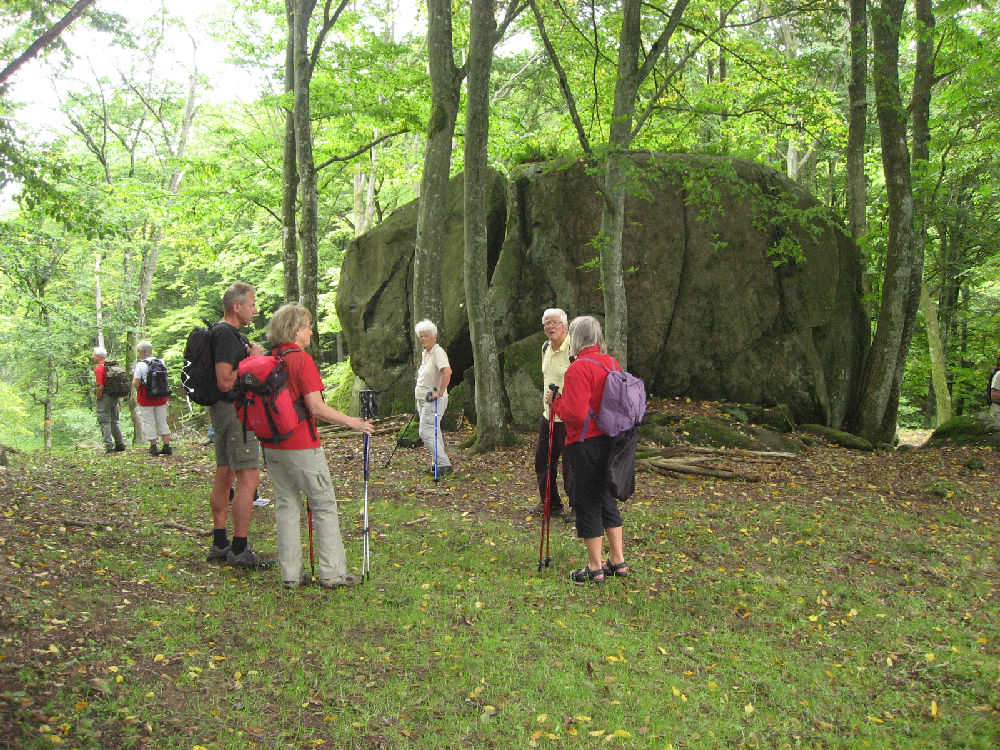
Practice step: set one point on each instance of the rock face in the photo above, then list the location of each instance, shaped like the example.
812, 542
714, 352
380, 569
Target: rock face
739, 286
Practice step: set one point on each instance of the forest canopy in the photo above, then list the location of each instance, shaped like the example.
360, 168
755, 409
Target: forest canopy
148, 184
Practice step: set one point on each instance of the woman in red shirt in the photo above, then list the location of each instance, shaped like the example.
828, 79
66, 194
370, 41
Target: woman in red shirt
587, 451
297, 465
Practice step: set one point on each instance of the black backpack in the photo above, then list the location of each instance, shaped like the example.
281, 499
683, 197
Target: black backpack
117, 382
157, 383
198, 372
989, 386
621, 464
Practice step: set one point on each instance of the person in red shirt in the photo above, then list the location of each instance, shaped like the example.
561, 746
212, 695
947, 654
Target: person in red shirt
107, 406
154, 409
587, 451
298, 466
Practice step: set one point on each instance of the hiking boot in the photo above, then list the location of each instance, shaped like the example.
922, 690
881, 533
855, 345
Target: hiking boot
119, 448
218, 554
153, 451
166, 450
442, 470
304, 580
539, 510
337, 583
248, 560
261, 502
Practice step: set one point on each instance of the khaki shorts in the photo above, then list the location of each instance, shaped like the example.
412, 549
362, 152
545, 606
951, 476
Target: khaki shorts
234, 447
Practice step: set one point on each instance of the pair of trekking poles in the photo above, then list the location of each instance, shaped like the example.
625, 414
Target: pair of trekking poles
429, 397
369, 410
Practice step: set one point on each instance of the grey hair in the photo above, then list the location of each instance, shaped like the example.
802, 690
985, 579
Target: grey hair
145, 348
585, 331
237, 292
425, 325
555, 312
101, 352
286, 322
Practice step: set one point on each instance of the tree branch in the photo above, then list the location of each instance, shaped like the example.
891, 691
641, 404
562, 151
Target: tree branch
45, 39
361, 150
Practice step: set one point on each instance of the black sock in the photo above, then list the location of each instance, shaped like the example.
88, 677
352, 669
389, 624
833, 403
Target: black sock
220, 540
239, 544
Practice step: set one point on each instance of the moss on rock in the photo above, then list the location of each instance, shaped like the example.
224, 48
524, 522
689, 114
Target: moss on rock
977, 430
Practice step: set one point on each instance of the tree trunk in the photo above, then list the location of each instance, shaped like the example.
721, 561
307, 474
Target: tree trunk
875, 417
432, 213
490, 428
289, 172
98, 304
939, 362
857, 183
613, 215
308, 187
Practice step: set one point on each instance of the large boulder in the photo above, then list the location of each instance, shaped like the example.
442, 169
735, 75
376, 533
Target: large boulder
740, 286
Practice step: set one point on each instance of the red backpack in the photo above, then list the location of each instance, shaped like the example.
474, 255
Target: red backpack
263, 402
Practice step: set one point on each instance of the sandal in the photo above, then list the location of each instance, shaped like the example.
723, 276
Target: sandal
585, 574
617, 570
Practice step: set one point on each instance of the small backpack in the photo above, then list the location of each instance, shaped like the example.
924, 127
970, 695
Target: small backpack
623, 404
117, 382
198, 372
989, 386
263, 402
157, 383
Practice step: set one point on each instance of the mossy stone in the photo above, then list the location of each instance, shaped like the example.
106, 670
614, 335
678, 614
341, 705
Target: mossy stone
967, 429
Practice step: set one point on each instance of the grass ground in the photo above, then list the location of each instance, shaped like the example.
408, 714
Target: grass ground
845, 600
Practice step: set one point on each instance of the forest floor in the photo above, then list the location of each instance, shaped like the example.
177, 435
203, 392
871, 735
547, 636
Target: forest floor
836, 599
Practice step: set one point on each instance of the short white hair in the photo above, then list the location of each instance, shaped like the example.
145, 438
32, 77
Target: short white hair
144, 347
555, 312
101, 352
426, 326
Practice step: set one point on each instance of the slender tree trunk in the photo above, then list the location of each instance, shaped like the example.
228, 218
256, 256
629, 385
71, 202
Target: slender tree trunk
939, 362
875, 417
857, 183
50, 396
289, 172
490, 428
308, 186
98, 304
618, 163
432, 213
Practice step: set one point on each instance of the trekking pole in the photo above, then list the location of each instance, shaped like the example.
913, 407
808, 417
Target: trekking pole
398, 439
312, 554
435, 434
547, 507
368, 411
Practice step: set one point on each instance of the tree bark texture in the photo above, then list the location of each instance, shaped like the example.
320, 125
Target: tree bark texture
875, 418
289, 172
939, 362
857, 88
490, 428
308, 224
446, 80
613, 216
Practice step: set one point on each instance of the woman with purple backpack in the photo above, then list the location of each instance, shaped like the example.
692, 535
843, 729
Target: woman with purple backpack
588, 450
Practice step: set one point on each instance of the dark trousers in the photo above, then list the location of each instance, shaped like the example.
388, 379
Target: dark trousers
542, 461
596, 508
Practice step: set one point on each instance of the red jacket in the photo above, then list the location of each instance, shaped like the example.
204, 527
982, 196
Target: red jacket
583, 390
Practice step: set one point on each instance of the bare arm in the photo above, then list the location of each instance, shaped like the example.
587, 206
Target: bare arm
319, 409
445, 379
225, 376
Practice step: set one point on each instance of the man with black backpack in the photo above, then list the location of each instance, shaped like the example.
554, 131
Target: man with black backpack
152, 389
108, 395
237, 452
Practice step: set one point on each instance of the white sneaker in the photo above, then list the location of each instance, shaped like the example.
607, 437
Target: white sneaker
260, 502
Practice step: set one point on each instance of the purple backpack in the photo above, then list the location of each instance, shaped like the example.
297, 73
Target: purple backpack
623, 404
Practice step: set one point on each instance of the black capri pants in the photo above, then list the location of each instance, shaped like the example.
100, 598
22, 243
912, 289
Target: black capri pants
596, 508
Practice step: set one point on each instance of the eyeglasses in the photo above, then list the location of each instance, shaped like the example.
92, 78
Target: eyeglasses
552, 324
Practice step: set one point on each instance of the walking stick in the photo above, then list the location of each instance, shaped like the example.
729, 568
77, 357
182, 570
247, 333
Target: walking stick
429, 393
547, 507
368, 411
403, 431
312, 554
